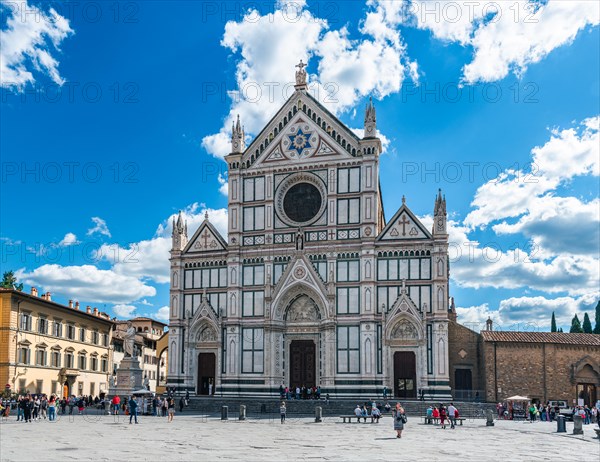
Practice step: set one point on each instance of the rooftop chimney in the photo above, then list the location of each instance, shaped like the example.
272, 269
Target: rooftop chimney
34, 292
489, 324
95, 311
70, 303
48, 296
88, 309
76, 305
43, 296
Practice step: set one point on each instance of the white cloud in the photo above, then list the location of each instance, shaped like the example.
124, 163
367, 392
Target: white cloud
124, 311
271, 45
162, 314
87, 282
145, 302
100, 227
505, 36
224, 188
69, 239
27, 42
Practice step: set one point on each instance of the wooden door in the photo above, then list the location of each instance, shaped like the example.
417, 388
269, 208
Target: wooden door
405, 374
302, 363
206, 373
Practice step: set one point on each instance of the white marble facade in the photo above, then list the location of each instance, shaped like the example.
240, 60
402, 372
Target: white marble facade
312, 285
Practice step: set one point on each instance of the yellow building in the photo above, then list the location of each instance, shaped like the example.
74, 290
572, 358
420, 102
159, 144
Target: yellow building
162, 362
46, 347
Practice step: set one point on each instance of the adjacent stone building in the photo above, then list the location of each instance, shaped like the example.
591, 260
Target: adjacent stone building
46, 347
313, 285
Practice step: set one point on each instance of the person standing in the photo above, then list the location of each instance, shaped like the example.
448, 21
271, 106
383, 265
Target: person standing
171, 409
452, 415
27, 405
52, 408
187, 397
385, 393
181, 404
116, 403
443, 416
282, 411
399, 420
19, 409
133, 410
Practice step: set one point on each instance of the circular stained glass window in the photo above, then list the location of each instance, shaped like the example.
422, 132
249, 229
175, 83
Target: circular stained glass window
302, 202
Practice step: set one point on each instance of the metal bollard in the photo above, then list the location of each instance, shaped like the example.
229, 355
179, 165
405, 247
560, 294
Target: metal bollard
224, 413
242, 412
490, 419
318, 414
561, 426
577, 428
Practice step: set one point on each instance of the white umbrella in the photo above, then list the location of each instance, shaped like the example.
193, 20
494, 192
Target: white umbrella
518, 398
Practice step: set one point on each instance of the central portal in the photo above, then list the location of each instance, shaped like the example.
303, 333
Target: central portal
302, 363
405, 374
206, 374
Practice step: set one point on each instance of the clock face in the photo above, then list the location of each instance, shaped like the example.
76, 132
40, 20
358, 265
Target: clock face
302, 202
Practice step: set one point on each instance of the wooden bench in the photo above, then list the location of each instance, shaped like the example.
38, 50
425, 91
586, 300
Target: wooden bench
350, 417
436, 420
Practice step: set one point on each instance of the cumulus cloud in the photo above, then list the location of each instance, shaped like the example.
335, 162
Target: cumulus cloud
124, 311
87, 282
505, 36
162, 314
69, 239
99, 227
224, 184
270, 46
28, 42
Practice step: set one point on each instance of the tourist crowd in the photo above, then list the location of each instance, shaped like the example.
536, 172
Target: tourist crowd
545, 412
302, 392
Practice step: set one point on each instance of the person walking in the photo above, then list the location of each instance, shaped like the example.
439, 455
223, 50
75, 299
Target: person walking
399, 420
282, 411
133, 410
171, 409
452, 416
181, 404
443, 416
19, 409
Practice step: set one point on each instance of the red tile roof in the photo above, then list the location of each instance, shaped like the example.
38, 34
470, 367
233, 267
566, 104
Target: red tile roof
541, 337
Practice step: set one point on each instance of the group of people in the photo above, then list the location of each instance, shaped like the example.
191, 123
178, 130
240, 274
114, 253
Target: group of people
545, 412
444, 414
161, 407
302, 392
31, 407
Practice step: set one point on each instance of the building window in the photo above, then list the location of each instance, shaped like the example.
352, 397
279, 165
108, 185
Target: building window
24, 354
218, 300
42, 325
82, 334
40, 357
55, 359
254, 189
82, 361
69, 360
22, 386
252, 350
278, 270
348, 300
92, 388
395, 269
104, 364
105, 340
71, 331
54, 387
348, 271
80, 388
254, 218
39, 384
253, 275
206, 278
348, 350
348, 180
253, 303
57, 328
321, 268
94, 363
348, 211
95, 337
25, 321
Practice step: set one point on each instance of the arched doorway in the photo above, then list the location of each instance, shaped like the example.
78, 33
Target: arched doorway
66, 390
405, 374
587, 385
206, 374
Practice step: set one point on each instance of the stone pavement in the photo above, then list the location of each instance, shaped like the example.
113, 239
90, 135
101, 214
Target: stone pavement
197, 437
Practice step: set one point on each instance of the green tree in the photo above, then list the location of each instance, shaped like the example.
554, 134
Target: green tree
587, 324
9, 281
560, 330
553, 323
597, 326
576, 325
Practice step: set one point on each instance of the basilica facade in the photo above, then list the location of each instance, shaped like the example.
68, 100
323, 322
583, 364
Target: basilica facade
311, 286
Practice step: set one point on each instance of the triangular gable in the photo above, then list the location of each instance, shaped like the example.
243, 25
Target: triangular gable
299, 270
404, 225
205, 316
403, 308
295, 133
206, 239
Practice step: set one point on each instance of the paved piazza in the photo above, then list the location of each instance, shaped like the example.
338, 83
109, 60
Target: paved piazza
196, 437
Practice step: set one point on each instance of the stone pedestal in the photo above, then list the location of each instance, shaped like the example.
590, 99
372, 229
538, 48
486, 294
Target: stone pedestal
129, 378
577, 428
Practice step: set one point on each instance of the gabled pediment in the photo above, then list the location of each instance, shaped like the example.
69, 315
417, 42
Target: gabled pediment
404, 321
404, 225
301, 131
204, 322
206, 239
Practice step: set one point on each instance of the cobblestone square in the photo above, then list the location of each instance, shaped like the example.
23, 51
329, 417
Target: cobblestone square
198, 437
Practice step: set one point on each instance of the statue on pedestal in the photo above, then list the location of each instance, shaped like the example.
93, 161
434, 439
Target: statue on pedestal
129, 340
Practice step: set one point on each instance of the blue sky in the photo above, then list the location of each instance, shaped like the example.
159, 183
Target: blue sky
114, 116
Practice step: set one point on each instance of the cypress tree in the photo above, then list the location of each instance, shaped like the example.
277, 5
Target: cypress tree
553, 323
576, 326
587, 324
597, 326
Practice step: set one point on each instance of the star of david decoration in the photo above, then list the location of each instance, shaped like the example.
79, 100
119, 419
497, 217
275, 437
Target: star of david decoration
300, 141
